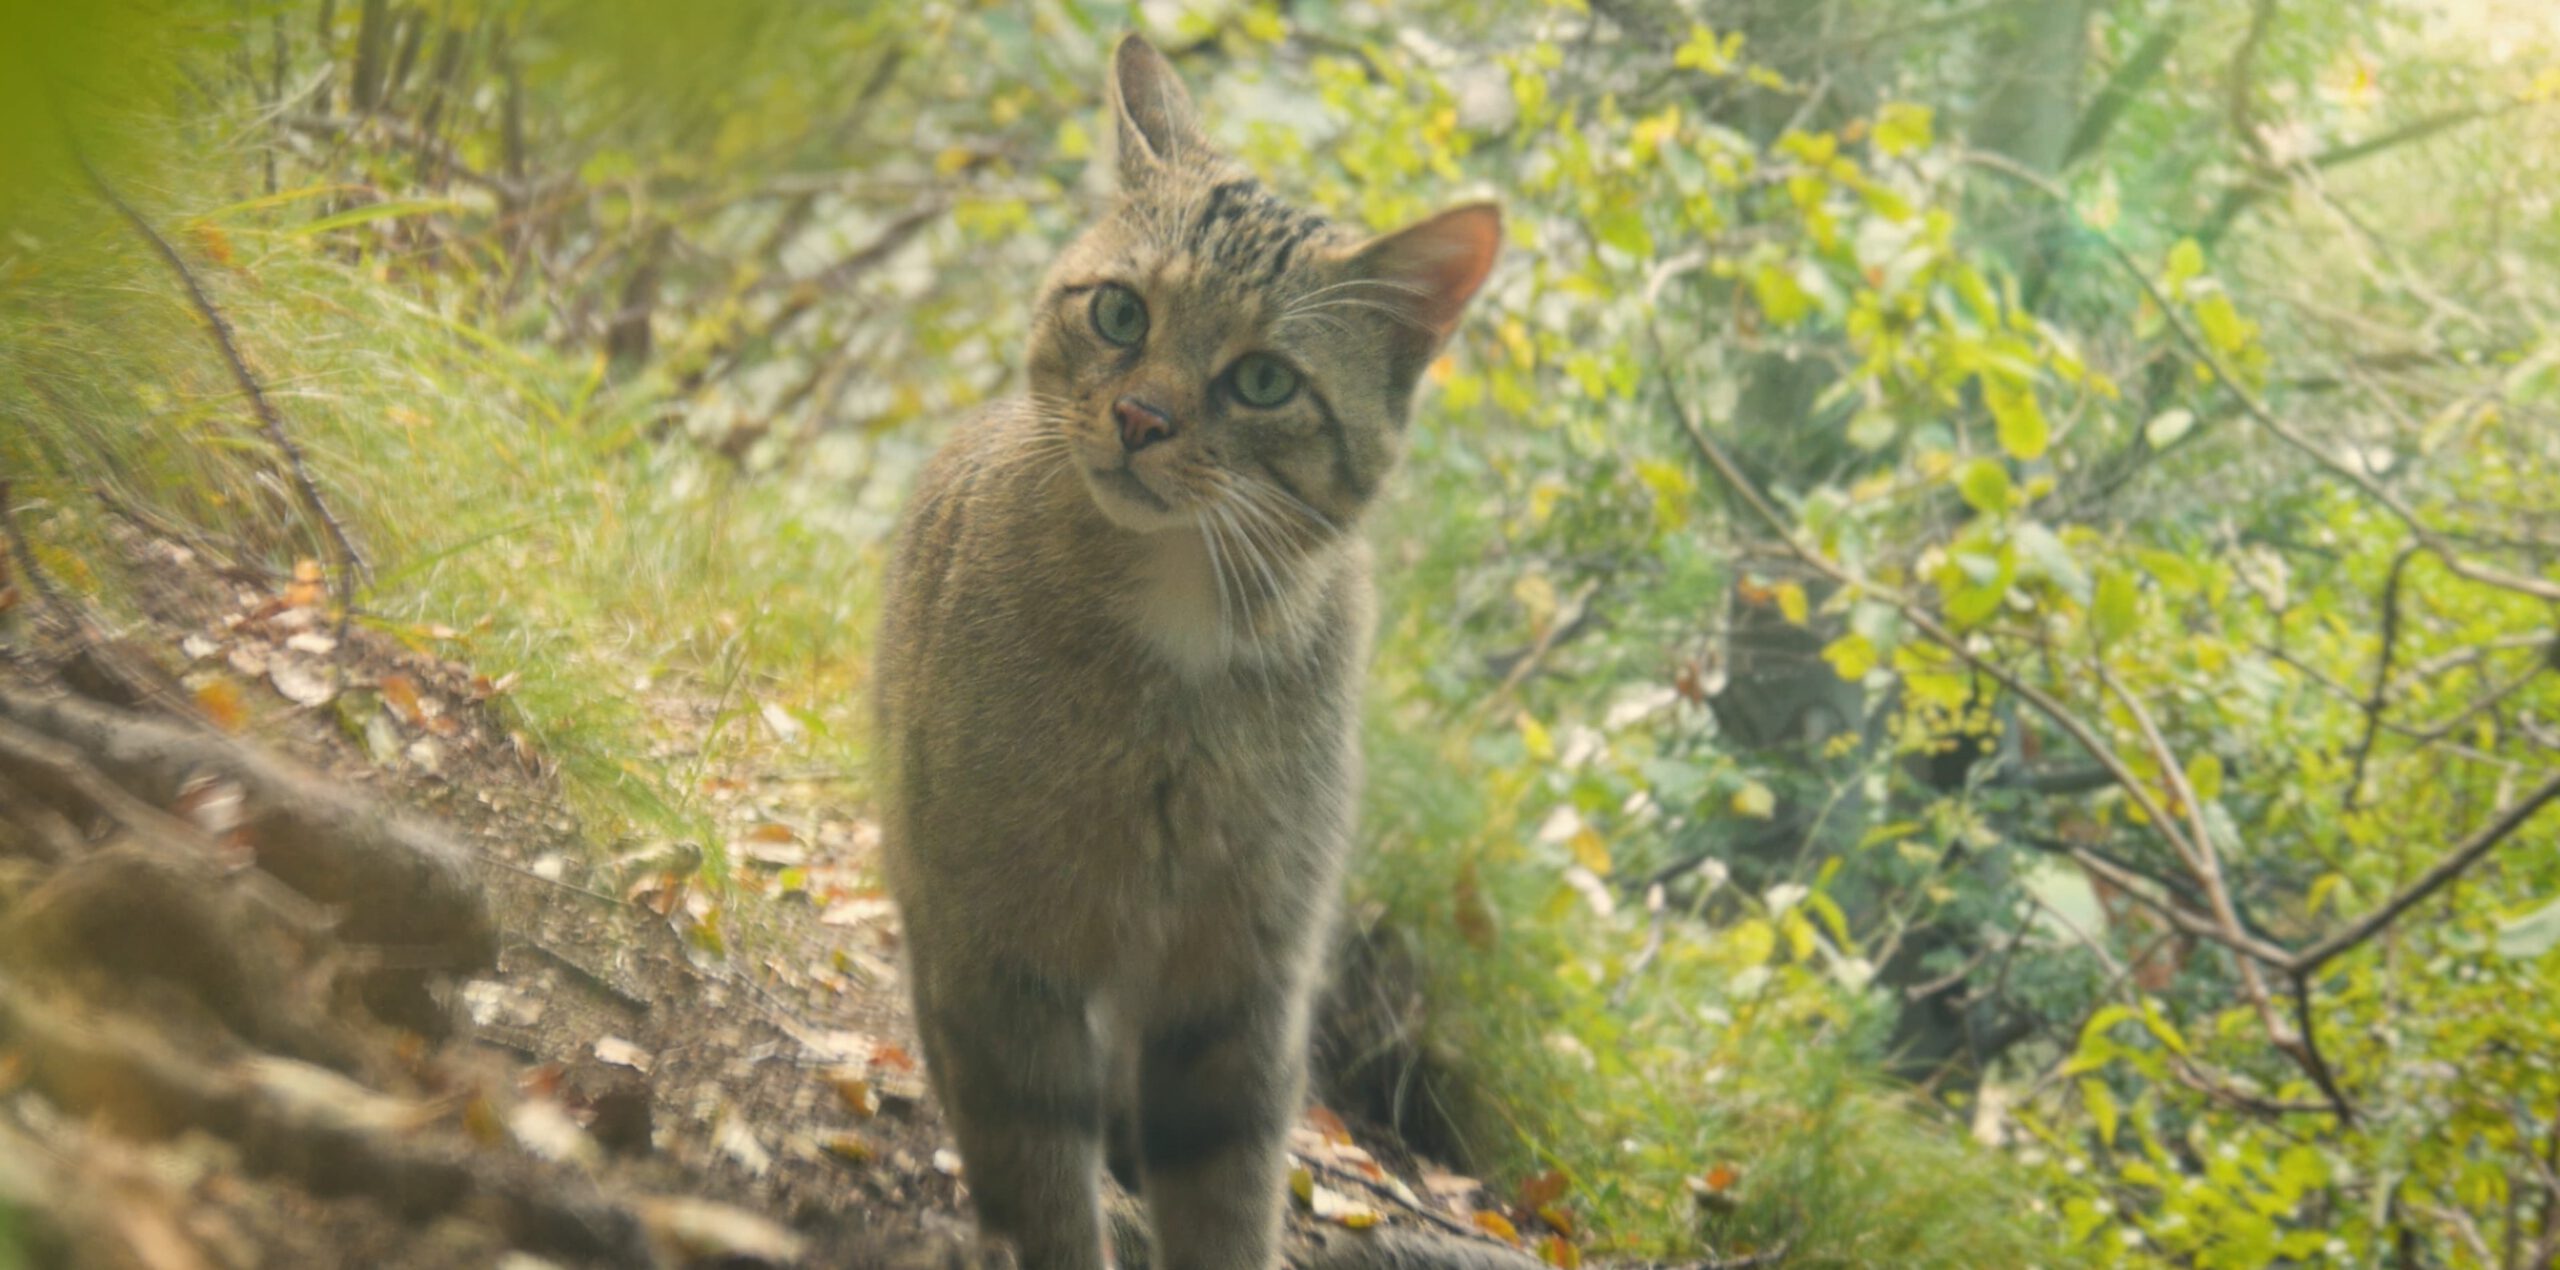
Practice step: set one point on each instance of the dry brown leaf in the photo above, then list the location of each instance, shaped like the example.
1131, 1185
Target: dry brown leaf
305, 591
1329, 1124
220, 700
1539, 1190
858, 1095
892, 1057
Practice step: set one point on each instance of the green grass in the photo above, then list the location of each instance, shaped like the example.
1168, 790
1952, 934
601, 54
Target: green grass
500, 488
1632, 1084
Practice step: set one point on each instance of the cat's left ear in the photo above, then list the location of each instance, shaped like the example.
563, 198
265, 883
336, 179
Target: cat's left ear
1427, 272
1156, 122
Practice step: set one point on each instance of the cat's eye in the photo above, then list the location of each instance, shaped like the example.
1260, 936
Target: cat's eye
1119, 315
1262, 380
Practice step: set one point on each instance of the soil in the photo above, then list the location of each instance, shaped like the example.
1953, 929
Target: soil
656, 1066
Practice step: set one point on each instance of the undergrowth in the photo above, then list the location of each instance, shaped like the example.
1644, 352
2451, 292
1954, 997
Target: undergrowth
518, 510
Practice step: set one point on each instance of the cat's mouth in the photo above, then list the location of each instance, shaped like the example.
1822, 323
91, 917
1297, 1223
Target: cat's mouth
1126, 483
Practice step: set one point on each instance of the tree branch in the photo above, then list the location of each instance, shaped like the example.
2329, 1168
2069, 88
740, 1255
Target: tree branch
351, 563
2481, 843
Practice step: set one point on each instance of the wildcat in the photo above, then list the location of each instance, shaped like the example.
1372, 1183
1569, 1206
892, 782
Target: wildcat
1118, 689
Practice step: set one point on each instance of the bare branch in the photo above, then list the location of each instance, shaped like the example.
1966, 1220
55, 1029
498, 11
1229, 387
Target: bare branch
351, 563
2481, 843
2434, 541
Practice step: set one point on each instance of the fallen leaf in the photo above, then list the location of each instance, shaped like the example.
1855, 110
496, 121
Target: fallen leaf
249, 661
546, 1131
702, 1232
848, 1146
1330, 1205
621, 1053
1498, 1226
856, 912
858, 1095
739, 1143
401, 694
1303, 1185
892, 1057
1539, 1190
300, 682
220, 700
1329, 1124
1560, 1252
305, 590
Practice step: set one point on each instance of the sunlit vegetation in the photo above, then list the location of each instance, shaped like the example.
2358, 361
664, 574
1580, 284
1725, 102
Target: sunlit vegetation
1971, 672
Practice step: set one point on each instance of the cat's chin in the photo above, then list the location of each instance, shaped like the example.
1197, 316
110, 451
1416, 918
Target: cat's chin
1127, 501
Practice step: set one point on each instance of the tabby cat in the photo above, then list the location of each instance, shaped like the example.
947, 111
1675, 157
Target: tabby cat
1119, 685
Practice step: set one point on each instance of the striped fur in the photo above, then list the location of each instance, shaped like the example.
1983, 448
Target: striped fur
1117, 694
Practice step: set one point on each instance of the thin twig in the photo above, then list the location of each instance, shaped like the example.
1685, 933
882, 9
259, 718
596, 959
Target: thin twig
2481, 842
351, 563
2375, 701
2428, 537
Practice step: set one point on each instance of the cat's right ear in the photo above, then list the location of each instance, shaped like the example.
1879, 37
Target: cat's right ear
1156, 122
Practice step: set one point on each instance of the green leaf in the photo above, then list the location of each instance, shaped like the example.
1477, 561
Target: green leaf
1902, 127
2222, 324
2101, 1103
1623, 227
2186, 260
2204, 776
2531, 935
2041, 554
1533, 735
1754, 800
2118, 603
1851, 656
2167, 426
2161, 1027
1985, 486
2023, 430
1753, 940
1779, 294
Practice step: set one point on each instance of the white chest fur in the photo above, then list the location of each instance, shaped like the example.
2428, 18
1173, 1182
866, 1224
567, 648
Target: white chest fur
1204, 604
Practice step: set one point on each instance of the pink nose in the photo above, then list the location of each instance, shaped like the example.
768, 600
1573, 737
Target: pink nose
1141, 425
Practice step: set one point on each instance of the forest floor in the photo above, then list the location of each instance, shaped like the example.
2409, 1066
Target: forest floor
652, 1065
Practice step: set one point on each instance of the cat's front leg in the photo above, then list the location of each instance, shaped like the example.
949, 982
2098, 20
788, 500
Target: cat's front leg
1020, 1069
1218, 1090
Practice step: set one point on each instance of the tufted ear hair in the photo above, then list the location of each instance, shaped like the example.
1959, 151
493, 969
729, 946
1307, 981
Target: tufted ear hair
1426, 273
1151, 111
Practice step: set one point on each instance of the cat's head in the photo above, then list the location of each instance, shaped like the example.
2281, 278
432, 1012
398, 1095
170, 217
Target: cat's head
1206, 343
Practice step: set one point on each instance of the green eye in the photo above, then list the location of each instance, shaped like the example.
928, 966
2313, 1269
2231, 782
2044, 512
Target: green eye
1263, 380
1119, 315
